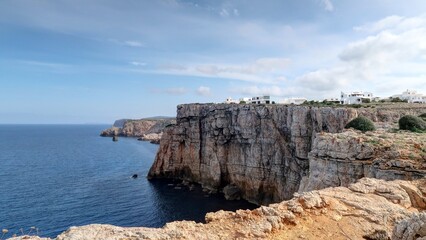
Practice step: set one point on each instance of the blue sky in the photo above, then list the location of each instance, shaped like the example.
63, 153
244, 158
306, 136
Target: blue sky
78, 61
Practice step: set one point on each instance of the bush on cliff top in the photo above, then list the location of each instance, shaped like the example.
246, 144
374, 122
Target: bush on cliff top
412, 123
361, 123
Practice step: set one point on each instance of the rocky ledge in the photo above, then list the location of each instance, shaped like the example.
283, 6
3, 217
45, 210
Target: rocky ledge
368, 209
338, 159
149, 129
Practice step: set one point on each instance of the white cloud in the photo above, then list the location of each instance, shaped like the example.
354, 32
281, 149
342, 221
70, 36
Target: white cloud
261, 70
257, 91
176, 91
133, 44
138, 64
228, 12
127, 43
236, 12
325, 79
224, 12
394, 56
328, 5
44, 64
203, 91
379, 25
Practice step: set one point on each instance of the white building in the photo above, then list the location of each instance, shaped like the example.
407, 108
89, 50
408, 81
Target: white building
245, 99
296, 101
332, 100
355, 97
229, 100
411, 96
261, 100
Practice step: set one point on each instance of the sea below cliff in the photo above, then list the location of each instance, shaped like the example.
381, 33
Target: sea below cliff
53, 177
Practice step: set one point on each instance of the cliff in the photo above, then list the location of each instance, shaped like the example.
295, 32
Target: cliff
149, 129
261, 151
368, 209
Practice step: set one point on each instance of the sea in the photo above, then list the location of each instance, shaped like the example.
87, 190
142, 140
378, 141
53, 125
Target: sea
53, 177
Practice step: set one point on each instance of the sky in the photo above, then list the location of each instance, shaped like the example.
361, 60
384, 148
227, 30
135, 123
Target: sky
79, 61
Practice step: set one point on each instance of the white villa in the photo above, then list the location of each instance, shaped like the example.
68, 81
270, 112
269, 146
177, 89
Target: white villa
355, 97
333, 100
245, 99
261, 100
296, 101
229, 100
411, 96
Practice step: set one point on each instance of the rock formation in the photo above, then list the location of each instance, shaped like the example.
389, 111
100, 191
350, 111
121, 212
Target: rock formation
149, 129
338, 159
260, 149
368, 209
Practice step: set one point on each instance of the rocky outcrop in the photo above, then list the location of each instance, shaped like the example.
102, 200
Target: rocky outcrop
152, 137
260, 149
338, 159
146, 129
368, 209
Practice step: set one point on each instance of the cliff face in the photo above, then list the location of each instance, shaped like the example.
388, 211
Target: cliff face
262, 150
147, 129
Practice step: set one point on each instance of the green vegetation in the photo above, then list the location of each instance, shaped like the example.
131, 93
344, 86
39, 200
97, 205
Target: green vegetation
412, 123
320, 104
242, 102
374, 141
397, 99
423, 116
361, 123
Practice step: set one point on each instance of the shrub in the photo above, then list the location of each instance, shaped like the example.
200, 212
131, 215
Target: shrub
397, 99
412, 123
355, 105
361, 123
423, 116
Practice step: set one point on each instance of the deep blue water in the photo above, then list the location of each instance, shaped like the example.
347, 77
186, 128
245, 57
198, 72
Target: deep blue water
56, 176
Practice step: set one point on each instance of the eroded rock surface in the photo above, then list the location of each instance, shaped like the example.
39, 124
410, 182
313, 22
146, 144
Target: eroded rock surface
370, 207
338, 159
261, 149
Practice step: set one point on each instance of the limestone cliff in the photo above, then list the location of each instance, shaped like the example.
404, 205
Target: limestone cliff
149, 129
260, 149
368, 209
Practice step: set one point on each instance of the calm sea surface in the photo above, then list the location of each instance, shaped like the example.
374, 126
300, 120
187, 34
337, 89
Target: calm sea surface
56, 176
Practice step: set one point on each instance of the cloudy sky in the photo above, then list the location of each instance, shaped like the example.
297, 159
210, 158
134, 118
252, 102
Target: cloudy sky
79, 61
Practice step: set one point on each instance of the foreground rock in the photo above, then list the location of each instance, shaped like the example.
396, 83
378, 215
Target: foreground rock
150, 129
368, 208
260, 149
338, 159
